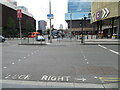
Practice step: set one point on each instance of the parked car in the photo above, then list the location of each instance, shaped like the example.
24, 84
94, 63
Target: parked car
2, 39
40, 38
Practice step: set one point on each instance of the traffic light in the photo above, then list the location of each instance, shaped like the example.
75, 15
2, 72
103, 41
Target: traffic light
81, 24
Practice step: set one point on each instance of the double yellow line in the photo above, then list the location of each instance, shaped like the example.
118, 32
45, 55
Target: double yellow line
110, 79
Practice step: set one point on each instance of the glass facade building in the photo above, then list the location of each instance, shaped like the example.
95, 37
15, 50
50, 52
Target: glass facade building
42, 25
78, 9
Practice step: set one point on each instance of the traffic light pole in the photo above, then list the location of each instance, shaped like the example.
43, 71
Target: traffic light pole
82, 32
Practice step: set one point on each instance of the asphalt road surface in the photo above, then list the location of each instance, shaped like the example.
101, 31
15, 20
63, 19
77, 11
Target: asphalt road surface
60, 62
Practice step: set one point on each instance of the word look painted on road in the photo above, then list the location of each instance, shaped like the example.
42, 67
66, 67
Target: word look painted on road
55, 78
19, 77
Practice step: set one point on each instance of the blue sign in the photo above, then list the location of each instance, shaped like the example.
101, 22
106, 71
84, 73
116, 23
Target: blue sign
50, 16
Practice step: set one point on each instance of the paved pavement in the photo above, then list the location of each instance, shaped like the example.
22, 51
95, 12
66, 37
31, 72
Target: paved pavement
62, 62
103, 41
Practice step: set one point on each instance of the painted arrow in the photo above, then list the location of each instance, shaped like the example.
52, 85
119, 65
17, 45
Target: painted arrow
80, 79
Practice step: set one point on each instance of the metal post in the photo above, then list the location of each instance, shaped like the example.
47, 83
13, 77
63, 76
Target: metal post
71, 24
118, 29
82, 31
20, 30
50, 20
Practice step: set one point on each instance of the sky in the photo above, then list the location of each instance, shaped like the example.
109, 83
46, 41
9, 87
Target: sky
40, 8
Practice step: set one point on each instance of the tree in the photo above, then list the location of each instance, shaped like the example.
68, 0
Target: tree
9, 29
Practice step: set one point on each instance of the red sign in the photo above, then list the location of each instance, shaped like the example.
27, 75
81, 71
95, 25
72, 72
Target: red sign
19, 13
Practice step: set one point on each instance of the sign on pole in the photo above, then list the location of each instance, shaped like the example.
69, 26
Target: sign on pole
19, 16
19, 13
50, 16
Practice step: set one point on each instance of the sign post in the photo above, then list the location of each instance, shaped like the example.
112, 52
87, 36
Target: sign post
19, 16
50, 16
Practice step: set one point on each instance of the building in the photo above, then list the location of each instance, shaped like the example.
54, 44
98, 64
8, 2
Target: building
106, 18
42, 26
9, 24
77, 10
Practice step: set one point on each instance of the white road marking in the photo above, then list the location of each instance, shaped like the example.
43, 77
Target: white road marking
20, 77
109, 50
55, 78
55, 84
80, 79
4, 67
102, 46
96, 77
114, 51
87, 62
13, 63
8, 75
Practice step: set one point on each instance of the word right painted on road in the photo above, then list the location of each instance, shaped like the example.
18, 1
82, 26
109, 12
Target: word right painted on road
55, 78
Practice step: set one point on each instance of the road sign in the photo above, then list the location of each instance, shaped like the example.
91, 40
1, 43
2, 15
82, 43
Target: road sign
98, 15
19, 13
105, 12
50, 16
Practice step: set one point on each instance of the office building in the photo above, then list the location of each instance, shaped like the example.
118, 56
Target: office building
42, 25
77, 10
9, 23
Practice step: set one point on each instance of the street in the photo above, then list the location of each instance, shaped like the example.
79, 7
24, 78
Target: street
60, 62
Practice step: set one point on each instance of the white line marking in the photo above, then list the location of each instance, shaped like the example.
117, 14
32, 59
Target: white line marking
96, 77
114, 51
13, 63
102, 46
80, 79
8, 75
87, 62
4, 67
109, 50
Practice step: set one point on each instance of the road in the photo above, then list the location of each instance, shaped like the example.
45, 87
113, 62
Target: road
60, 62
